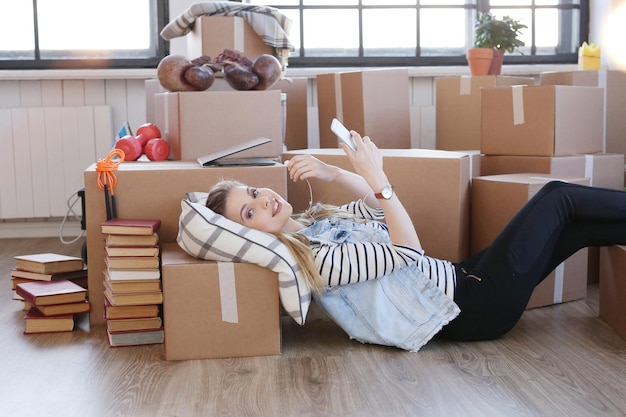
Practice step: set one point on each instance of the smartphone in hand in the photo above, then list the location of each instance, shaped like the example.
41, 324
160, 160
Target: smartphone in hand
343, 134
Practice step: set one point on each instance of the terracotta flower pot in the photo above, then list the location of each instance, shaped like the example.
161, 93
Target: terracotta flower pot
496, 63
479, 60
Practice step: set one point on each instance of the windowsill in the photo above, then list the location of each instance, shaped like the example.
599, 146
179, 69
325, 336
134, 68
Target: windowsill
430, 71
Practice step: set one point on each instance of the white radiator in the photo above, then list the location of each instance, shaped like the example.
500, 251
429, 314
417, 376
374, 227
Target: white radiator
43, 155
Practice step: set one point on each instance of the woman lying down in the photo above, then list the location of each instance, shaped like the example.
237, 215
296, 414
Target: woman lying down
373, 278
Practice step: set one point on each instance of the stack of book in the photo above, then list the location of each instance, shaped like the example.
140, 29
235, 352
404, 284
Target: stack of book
46, 267
132, 282
53, 305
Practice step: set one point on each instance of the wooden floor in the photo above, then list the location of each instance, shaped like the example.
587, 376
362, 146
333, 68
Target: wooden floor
559, 361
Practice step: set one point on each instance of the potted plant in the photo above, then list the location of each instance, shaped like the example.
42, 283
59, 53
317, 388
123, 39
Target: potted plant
492, 38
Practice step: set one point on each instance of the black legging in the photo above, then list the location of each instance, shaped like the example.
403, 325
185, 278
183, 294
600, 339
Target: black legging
494, 286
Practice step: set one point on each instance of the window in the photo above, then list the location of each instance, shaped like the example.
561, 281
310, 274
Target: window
39, 34
425, 32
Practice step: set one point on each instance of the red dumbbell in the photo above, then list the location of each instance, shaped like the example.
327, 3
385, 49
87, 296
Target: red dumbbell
157, 149
146, 132
133, 146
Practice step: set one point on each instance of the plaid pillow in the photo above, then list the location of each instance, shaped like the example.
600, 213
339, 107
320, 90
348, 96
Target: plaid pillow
207, 235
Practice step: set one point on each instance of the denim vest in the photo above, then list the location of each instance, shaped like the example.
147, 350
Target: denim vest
402, 309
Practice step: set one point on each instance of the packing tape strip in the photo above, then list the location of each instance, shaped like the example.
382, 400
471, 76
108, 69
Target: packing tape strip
228, 293
589, 168
338, 97
465, 85
518, 104
602, 82
558, 283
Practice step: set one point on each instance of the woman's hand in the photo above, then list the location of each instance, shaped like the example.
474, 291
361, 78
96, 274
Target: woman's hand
302, 167
367, 161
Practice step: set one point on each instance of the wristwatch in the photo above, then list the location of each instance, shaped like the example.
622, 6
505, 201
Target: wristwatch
385, 193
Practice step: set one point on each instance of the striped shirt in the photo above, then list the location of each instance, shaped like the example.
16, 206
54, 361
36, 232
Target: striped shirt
347, 252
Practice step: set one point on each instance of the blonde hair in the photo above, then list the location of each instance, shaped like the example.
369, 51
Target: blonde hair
297, 243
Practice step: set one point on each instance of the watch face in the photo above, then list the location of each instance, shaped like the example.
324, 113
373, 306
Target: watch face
387, 192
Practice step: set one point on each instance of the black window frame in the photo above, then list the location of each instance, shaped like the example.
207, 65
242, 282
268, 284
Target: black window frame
302, 60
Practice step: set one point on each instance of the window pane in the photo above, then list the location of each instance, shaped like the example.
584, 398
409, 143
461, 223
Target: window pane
331, 32
94, 25
446, 2
557, 32
510, 2
17, 36
389, 32
330, 2
276, 2
294, 33
389, 2
451, 38
555, 2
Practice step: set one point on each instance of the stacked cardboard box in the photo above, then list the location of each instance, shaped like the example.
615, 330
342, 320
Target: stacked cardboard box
373, 102
433, 185
457, 104
495, 200
613, 287
218, 311
539, 133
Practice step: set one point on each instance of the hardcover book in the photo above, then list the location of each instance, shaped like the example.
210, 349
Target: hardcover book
131, 251
121, 299
48, 263
145, 285
132, 240
135, 338
20, 273
133, 274
125, 325
36, 322
134, 262
62, 309
112, 312
131, 226
40, 293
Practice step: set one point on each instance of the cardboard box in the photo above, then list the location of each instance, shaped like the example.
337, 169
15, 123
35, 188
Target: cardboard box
614, 86
296, 110
602, 169
457, 101
155, 190
495, 200
153, 86
568, 282
433, 185
373, 102
613, 287
549, 120
212, 34
218, 310
199, 123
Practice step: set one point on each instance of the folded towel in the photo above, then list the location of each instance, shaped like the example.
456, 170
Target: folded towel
272, 26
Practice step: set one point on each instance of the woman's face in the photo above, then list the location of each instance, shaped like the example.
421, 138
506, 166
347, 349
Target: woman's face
258, 208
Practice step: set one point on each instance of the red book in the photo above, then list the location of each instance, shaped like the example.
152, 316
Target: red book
141, 227
51, 292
